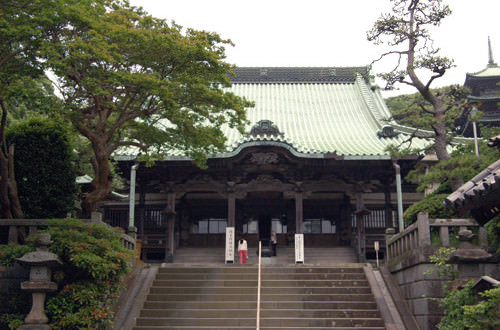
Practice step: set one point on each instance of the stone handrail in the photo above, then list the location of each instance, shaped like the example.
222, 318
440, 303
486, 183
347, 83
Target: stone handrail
34, 224
418, 234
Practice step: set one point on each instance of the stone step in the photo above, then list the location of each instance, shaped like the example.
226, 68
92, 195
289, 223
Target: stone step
265, 322
292, 297
265, 276
285, 254
265, 283
265, 270
251, 327
265, 313
330, 305
264, 290
266, 297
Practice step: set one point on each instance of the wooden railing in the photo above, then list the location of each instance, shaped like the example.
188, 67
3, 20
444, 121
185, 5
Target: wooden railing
418, 234
33, 225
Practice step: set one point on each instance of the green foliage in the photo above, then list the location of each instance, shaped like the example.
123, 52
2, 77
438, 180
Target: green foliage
432, 204
9, 253
441, 267
453, 302
493, 228
44, 169
12, 321
32, 97
463, 311
94, 262
485, 314
409, 110
462, 166
84, 305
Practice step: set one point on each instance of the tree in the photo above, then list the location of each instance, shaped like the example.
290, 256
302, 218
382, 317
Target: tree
406, 110
25, 26
418, 64
130, 80
46, 176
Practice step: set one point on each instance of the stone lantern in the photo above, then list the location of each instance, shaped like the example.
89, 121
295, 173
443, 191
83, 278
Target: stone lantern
40, 262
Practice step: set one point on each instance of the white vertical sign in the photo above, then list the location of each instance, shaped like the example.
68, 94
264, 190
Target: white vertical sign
229, 245
299, 248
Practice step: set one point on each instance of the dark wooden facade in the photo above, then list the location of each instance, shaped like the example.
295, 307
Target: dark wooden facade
262, 188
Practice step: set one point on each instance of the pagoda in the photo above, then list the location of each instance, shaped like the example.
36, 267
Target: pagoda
485, 93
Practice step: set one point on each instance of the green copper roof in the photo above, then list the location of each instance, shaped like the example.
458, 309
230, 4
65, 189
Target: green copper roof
348, 118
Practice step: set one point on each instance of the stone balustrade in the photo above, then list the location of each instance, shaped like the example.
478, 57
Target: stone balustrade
418, 234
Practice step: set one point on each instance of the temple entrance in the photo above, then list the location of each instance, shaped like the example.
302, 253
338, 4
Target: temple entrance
262, 212
265, 227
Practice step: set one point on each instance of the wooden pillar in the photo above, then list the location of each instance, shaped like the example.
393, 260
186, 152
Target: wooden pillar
170, 244
345, 226
388, 207
361, 212
299, 212
231, 209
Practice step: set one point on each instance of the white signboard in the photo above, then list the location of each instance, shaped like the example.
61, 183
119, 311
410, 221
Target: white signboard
229, 245
299, 248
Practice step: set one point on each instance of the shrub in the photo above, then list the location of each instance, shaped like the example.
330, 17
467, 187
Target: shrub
432, 204
45, 174
89, 281
463, 311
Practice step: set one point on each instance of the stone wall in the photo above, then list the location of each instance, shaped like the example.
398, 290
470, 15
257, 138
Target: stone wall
420, 289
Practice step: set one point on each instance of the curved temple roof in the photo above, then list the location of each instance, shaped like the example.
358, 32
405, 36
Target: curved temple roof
316, 113
320, 111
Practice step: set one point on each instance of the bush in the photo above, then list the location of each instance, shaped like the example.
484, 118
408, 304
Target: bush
45, 174
89, 281
493, 227
462, 311
432, 204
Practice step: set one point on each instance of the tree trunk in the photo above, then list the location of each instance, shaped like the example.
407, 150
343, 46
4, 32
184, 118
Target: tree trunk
440, 141
15, 204
5, 211
102, 184
10, 207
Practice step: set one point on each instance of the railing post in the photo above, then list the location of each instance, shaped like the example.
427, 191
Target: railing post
258, 287
12, 234
483, 237
444, 235
389, 232
424, 232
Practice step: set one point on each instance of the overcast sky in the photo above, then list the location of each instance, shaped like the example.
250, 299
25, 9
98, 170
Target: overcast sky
330, 32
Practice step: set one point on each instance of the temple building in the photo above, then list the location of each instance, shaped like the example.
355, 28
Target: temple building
484, 94
313, 161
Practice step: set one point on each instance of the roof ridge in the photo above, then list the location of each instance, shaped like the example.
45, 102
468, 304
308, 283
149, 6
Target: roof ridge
297, 74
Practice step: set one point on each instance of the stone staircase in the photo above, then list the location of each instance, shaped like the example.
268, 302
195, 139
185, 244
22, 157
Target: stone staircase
292, 297
285, 255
